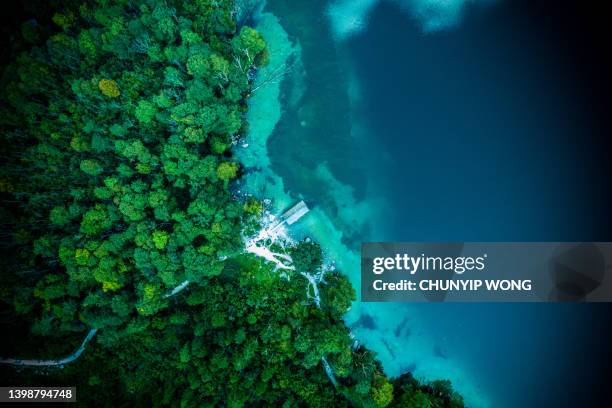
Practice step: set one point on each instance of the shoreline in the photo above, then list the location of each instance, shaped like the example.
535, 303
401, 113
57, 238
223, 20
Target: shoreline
396, 353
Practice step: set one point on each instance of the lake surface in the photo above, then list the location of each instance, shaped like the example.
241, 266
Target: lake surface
397, 124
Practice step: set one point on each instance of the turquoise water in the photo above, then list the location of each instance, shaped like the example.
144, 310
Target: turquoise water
427, 120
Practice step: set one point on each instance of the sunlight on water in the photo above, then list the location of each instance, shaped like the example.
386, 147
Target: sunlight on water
349, 17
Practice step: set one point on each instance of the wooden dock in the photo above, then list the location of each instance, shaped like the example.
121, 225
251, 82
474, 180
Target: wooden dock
293, 214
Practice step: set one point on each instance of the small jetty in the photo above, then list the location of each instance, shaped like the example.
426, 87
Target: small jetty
295, 213
292, 215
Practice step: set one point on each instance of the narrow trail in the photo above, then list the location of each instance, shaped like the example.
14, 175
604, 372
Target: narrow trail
59, 362
257, 245
177, 289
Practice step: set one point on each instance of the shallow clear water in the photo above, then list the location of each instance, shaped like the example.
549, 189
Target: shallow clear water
468, 133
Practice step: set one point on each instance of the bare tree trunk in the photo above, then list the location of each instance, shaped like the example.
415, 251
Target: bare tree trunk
276, 75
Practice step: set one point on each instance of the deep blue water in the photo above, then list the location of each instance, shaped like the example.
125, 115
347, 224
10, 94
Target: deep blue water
486, 130
493, 130
486, 134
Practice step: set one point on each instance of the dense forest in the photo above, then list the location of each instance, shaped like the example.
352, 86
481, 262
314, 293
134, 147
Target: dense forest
122, 233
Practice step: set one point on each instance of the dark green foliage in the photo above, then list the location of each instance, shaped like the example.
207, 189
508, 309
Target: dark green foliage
115, 164
409, 393
116, 126
307, 256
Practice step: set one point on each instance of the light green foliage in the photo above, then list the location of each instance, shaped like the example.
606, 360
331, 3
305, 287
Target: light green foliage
160, 239
249, 44
91, 167
199, 65
382, 393
109, 88
145, 111
87, 45
95, 220
150, 299
82, 256
227, 171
